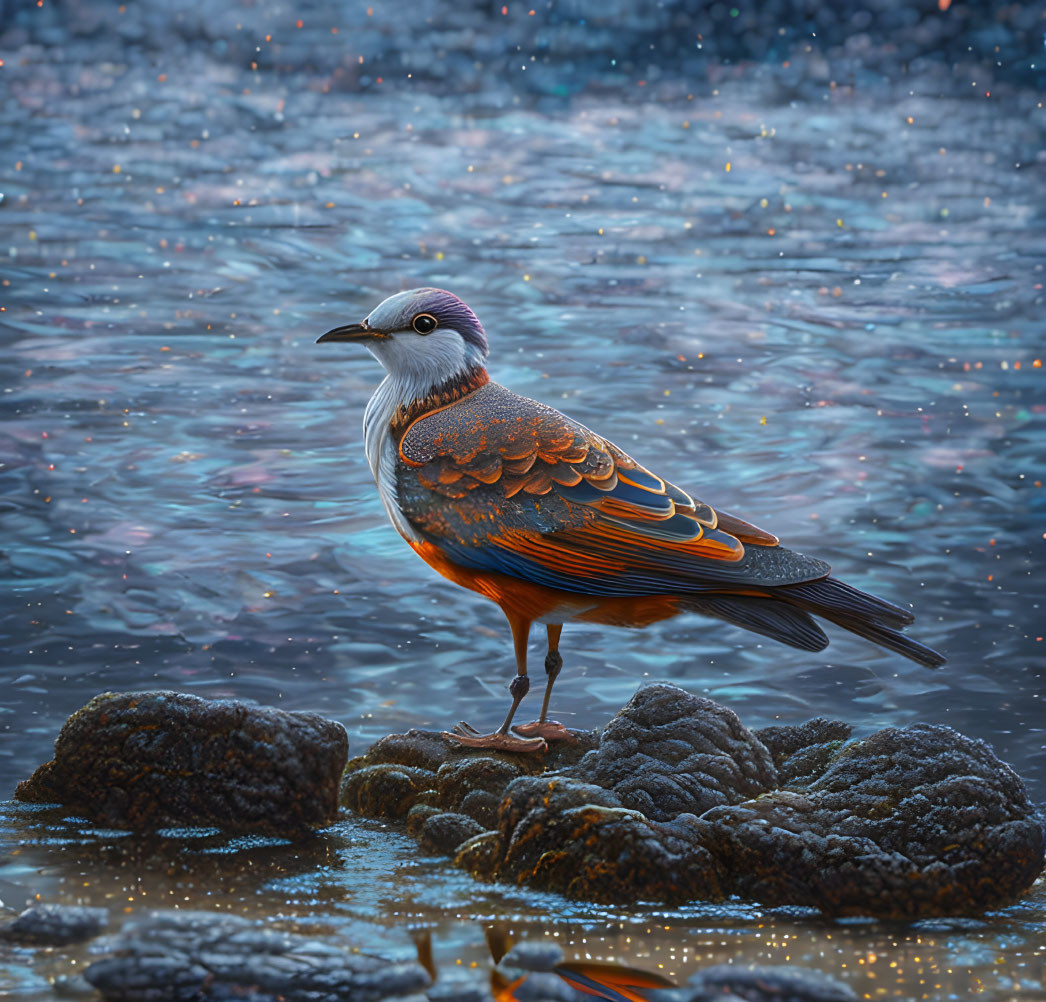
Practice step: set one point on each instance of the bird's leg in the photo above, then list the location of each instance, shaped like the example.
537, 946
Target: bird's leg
553, 665
550, 730
502, 739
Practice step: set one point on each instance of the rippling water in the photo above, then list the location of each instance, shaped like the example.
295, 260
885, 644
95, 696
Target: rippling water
815, 303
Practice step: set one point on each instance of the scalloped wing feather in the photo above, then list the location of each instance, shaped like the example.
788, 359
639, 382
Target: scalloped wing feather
505, 483
494, 435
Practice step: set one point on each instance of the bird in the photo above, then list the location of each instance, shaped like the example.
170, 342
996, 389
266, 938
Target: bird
512, 499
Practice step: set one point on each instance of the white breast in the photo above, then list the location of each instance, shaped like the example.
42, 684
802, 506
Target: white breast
414, 366
381, 450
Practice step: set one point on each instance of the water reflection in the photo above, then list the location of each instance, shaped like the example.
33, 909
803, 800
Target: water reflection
364, 882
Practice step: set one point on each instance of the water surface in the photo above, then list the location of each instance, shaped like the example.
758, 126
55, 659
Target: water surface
815, 302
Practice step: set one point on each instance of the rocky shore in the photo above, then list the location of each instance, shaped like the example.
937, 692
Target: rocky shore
677, 801
673, 801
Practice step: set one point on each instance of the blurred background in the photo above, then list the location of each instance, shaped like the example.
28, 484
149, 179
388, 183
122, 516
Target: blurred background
788, 254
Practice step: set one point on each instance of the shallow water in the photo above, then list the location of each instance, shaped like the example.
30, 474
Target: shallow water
818, 306
364, 881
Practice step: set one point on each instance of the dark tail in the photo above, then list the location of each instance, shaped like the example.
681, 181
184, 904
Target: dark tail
868, 616
765, 615
784, 614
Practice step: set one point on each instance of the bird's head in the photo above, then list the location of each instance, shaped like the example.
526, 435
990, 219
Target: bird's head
424, 337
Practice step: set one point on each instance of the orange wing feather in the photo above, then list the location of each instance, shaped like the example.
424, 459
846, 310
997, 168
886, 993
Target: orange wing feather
501, 482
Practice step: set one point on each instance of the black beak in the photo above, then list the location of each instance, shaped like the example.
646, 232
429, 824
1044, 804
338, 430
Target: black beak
350, 332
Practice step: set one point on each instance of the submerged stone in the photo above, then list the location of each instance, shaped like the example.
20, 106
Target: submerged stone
55, 925
206, 955
677, 801
724, 982
149, 760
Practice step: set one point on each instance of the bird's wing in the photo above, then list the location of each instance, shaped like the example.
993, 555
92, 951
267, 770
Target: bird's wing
501, 482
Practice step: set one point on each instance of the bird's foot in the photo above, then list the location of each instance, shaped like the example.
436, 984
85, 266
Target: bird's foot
467, 735
550, 730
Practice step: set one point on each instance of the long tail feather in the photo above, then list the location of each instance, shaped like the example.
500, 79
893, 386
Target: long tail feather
832, 594
868, 616
768, 616
891, 639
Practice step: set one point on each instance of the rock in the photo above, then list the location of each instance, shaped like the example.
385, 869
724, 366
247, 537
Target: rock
418, 815
456, 991
482, 806
205, 955
803, 751
72, 986
388, 790
575, 838
394, 777
443, 832
907, 823
539, 955
458, 779
479, 855
423, 749
150, 760
677, 801
725, 982
668, 753
541, 987
55, 925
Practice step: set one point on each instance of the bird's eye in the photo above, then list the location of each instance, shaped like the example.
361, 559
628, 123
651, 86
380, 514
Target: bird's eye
424, 323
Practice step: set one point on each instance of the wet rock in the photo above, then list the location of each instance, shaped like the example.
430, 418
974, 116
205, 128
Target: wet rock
388, 790
578, 839
72, 986
678, 801
482, 806
803, 751
478, 855
202, 955
55, 925
483, 773
444, 832
909, 822
422, 749
456, 991
394, 775
726, 982
418, 815
541, 987
533, 956
149, 760
668, 753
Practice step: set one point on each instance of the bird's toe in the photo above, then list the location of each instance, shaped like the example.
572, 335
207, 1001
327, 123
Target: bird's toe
495, 741
550, 730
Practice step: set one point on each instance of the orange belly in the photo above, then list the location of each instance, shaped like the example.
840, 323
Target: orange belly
537, 603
